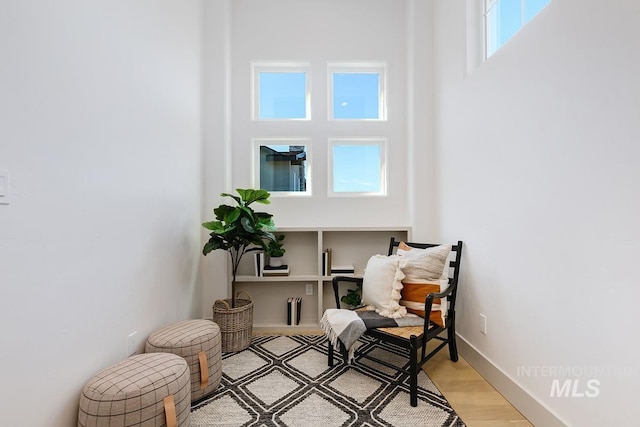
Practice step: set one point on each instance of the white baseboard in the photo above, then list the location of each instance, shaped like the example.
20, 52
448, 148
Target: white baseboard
530, 407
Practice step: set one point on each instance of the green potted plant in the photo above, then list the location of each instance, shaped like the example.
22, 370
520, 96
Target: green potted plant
238, 230
276, 251
353, 298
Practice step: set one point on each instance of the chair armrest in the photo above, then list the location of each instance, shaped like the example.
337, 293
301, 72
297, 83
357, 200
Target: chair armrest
442, 294
337, 279
428, 304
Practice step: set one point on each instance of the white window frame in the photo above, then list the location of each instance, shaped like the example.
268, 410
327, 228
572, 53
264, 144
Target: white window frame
255, 163
379, 141
490, 4
258, 67
359, 67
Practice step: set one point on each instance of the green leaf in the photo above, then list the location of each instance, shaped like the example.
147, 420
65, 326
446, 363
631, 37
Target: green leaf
250, 195
247, 213
236, 198
247, 225
232, 216
265, 221
222, 211
211, 245
213, 225
244, 193
269, 236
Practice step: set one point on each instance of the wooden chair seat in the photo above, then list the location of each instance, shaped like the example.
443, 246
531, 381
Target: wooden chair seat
403, 332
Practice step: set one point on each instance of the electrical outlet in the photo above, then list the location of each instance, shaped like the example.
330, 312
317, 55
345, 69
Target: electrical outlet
309, 288
483, 323
132, 343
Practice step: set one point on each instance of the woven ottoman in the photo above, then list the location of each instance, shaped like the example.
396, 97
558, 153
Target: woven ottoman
142, 390
198, 341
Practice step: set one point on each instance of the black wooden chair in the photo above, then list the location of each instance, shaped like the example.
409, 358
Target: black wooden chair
414, 338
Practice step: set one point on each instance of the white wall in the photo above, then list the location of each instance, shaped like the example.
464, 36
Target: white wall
420, 123
319, 32
216, 129
240, 31
537, 172
100, 131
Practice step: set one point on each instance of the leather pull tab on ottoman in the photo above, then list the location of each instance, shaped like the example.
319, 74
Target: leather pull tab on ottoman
204, 369
170, 411
151, 389
198, 342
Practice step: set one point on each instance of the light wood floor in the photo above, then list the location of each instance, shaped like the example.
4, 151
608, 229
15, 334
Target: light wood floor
470, 395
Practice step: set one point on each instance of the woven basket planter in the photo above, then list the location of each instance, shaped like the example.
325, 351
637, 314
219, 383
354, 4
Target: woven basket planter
236, 324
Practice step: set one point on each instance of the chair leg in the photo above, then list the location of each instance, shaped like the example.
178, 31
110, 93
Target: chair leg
453, 348
413, 371
330, 354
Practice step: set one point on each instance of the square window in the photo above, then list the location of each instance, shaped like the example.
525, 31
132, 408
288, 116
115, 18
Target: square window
281, 166
357, 91
492, 38
281, 92
503, 21
357, 166
355, 95
509, 19
504, 18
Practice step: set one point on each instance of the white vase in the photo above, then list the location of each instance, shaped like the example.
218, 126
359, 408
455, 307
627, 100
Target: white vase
275, 261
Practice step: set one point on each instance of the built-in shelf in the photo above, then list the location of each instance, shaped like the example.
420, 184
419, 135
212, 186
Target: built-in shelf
304, 256
305, 278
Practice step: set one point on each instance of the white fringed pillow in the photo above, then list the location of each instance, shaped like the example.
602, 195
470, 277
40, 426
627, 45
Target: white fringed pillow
382, 283
424, 264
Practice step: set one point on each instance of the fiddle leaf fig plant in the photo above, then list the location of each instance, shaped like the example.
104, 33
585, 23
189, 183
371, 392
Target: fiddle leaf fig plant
239, 229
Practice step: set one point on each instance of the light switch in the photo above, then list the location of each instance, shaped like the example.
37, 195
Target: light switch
4, 187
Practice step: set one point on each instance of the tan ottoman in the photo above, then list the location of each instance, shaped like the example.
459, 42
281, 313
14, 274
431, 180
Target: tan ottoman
198, 341
142, 390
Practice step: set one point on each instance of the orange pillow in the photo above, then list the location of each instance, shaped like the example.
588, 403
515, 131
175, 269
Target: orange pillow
413, 296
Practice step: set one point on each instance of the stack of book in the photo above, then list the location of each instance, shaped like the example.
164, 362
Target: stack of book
326, 262
331, 269
282, 270
343, 270
258, 263
294, 305
262, 269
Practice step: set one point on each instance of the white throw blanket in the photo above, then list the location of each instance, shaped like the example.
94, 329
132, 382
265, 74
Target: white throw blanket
342, 326
347, 326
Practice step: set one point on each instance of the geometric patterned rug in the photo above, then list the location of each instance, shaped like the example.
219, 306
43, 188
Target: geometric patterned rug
285, 381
